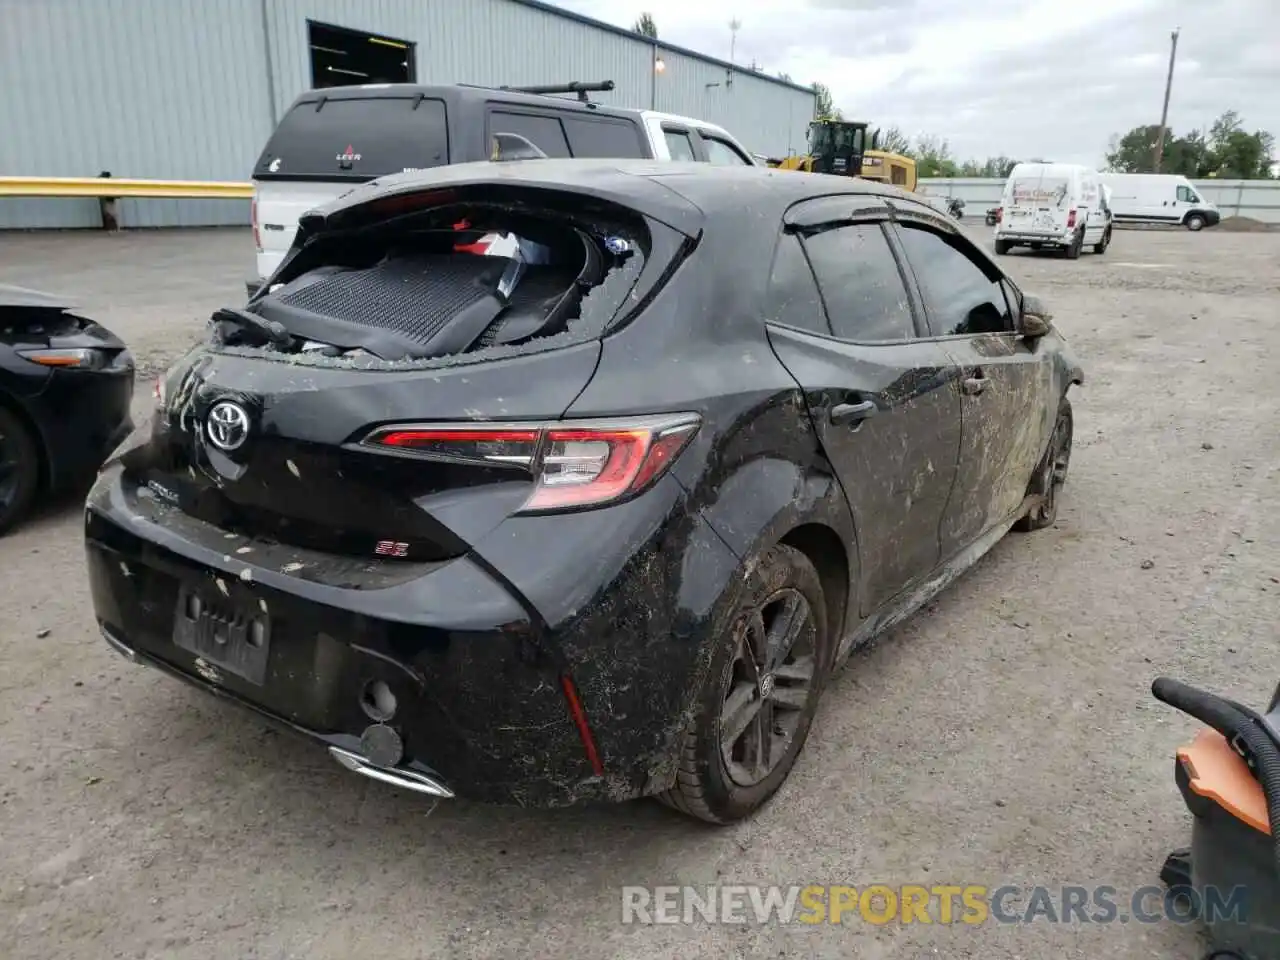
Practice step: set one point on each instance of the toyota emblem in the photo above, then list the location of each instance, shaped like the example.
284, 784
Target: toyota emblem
227, 426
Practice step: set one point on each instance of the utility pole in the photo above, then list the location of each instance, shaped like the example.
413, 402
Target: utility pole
1164, 114
734, 26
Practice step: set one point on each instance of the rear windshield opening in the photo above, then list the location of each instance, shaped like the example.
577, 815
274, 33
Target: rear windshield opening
458, 280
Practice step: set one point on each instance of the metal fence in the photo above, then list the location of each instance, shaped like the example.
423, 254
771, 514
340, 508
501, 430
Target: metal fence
1255, 199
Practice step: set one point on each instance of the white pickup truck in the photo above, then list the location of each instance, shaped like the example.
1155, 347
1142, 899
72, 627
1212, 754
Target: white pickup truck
331, 139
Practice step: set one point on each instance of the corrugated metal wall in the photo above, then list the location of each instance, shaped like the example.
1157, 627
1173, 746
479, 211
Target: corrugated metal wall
190, 89
142, 88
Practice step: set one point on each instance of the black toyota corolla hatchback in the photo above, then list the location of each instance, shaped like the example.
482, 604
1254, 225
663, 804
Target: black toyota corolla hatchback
595, 518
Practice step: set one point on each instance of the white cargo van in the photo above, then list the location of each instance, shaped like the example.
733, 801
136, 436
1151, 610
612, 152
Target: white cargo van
1159, 198
335, 138
1053, 205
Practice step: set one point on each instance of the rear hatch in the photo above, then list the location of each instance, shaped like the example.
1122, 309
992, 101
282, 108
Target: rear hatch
1036, 203
324, 146
395, 395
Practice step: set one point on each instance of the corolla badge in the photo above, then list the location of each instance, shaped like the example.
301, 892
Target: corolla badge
227, 425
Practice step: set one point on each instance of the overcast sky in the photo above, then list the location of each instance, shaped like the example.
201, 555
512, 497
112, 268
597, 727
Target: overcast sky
1014, 77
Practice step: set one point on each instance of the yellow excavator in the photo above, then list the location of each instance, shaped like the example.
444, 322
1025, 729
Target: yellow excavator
840, 147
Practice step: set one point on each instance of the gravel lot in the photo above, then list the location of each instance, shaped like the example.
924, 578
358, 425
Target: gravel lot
1004, 735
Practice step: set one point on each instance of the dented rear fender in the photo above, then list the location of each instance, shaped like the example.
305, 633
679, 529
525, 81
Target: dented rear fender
759, 483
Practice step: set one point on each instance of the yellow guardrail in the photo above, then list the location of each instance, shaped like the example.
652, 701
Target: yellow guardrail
119, 187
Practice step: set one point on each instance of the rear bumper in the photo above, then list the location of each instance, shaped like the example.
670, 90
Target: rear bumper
475, 658
1045, 239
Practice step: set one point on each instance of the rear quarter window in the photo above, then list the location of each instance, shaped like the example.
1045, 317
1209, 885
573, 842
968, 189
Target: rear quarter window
356, 139
723, 154
793, 299
679, 145
603, 137
544, 132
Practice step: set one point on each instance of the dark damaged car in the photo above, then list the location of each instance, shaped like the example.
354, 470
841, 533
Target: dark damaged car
66, 383
595, 520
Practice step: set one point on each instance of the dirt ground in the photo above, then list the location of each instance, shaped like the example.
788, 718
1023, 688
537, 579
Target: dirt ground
1004, 735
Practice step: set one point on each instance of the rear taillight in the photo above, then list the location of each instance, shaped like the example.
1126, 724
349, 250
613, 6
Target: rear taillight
253, 218
574, 464
999, 214
1071, 219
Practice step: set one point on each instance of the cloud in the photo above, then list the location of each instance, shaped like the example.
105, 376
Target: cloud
1013, 77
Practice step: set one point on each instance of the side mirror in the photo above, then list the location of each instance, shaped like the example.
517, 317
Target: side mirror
1035, 319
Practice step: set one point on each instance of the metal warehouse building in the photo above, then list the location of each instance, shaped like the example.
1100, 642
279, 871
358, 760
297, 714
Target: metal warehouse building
191, 89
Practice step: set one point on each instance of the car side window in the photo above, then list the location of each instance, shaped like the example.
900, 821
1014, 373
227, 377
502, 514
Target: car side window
861, 284
679, 145
793, 299
545, 133
721, 154
602, 137
1187, 195
960, 295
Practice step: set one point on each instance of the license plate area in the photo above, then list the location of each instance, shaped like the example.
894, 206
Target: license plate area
232, 636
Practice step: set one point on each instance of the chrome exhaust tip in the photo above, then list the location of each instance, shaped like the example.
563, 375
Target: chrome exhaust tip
408, 779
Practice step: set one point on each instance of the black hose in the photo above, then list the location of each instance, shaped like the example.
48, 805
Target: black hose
1232, 721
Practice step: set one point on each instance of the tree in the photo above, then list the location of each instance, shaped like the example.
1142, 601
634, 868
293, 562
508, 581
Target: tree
1236, 154
1228, 151
783, 75
933, 158
646, 27
823, 106
997, 168
894, 140
1134, 152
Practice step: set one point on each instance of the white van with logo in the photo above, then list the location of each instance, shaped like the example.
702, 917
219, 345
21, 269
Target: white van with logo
1159, 198
1053, 206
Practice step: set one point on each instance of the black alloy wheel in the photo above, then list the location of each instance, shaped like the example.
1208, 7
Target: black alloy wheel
773, 671
758, 703
1052, 473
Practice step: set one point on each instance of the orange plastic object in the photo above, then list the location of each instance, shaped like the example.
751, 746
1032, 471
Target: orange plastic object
1216, 771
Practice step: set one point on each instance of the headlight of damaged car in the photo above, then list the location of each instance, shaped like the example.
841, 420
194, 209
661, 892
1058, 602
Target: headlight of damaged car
80, 358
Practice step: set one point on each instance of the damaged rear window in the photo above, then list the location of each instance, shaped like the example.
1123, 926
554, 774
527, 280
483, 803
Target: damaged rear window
466, 280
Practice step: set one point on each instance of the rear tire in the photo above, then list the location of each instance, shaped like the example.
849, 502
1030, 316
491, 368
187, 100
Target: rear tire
761, 693
1101, 247
1002, 247
1194, 222
1077, 244
1051, 473
19, 469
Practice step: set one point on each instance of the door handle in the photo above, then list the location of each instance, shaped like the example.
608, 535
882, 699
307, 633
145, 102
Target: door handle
974, 385
843, 413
